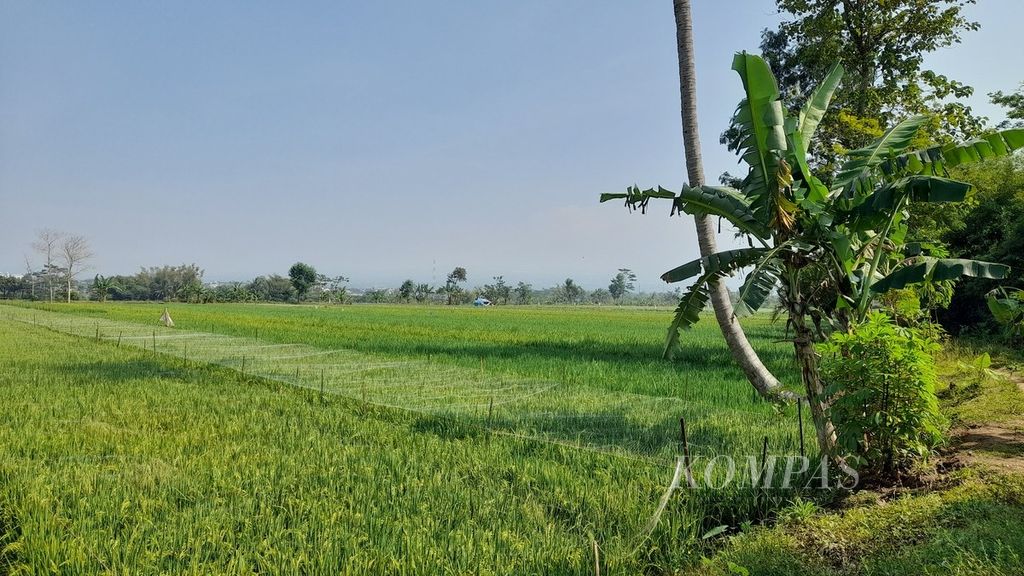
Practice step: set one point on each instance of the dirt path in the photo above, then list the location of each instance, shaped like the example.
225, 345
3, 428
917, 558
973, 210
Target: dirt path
998, 445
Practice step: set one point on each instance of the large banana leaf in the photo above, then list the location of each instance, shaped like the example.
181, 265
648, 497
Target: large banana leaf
725, 202
937, 159
716, 260
816, 106
758, 285
926, 268
1006, 305
758, 128
816, 191
714, 267
635, 198
714, 200
801, 130
855, 176
919, 189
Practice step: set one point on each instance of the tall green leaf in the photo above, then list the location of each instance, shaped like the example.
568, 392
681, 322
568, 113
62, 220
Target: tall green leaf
758, 285
918, 188
816, 106
926, 268
758, 128
856, 174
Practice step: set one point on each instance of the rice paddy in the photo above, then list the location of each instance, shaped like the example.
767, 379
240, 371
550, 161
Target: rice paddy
368, 439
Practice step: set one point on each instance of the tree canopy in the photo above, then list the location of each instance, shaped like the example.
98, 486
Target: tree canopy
882, 46
303, 278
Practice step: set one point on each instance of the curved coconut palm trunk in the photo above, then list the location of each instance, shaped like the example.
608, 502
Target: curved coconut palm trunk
759, 376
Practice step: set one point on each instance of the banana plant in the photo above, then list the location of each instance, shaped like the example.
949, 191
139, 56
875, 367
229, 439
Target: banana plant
1007, 306
827, 250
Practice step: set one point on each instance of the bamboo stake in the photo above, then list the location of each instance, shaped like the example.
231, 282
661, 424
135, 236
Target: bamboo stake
686, 450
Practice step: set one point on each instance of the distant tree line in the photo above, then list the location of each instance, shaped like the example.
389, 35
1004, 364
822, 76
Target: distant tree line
304, 284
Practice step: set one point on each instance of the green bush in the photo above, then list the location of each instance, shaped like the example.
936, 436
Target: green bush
880, 380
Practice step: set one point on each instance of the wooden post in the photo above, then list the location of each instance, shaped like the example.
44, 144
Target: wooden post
686, 450
800, 419
490, 411
243, 365
119, 334
154, 340
97, 332
764, 454
321, 384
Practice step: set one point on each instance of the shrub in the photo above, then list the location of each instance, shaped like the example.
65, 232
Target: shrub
880, 380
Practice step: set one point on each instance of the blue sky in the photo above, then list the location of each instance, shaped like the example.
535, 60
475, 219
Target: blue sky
379, 140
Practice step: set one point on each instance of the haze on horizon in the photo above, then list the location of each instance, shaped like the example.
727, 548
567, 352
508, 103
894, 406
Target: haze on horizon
380, 141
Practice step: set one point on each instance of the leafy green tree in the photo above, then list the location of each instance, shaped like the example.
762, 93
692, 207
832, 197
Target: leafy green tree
452, 289
233, 292
303, 278
569, 292
273, 288
332, 288
991, 228
102, 287
499, 291
622, 284
14, 287
883, 46
422, 292
1014, 104
406, 290
600, 296
524, 293
160, 283
829, 250
376, 296
194, 292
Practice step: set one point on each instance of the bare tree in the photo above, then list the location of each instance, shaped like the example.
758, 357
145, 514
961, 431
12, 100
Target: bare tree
742, 352
31, 276
74, 251
47, 244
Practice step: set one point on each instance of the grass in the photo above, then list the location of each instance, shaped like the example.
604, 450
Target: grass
971, 523
446, 441
976, 527
974, 396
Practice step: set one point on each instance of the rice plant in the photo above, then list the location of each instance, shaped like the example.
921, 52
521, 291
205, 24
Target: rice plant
362, 440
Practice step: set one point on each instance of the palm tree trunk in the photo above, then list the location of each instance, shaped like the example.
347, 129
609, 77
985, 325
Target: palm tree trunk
742, 353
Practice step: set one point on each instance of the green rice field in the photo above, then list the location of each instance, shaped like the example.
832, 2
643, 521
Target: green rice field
369, 439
